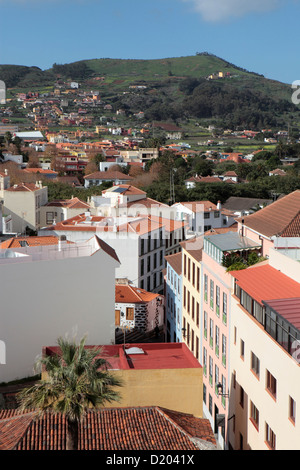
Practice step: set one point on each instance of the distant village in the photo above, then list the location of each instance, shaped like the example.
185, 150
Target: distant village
196, 303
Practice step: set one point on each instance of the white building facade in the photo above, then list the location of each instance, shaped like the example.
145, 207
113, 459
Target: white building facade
54, 291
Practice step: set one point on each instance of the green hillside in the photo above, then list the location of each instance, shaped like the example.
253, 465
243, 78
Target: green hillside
198, 66
175, 89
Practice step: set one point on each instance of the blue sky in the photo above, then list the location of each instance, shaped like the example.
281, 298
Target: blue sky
259, 35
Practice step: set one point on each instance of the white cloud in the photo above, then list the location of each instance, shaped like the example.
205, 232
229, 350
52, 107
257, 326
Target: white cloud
220, 10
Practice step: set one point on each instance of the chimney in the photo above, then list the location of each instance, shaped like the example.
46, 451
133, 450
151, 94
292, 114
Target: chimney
219, 205
61, 241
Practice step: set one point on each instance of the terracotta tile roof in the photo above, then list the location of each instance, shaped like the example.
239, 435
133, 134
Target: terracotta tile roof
175, 261
128, 189
263, 283
146, 202
281, 218
169, 224
41, 171
198, 428
217, 231
230, 181
107, 248
145, 428
30, 187
72, 180
204, 179
73, 203
130, 294
13, 426
108, 175
16, 242
194, 247
199, 206
139, 225
278, 172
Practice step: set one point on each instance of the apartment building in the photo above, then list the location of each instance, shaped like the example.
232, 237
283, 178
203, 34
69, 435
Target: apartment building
173, 298
191, 294
23, 203
51, 290
264, 392
138, 241
216, 307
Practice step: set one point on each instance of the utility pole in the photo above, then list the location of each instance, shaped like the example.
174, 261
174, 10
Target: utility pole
172, 187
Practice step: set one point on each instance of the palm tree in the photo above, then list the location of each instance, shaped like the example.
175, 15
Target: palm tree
73, 381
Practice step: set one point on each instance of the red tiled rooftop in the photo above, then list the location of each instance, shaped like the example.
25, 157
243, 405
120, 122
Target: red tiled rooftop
140, 428
199, 206
73, 203
266, 283
145, 202
140, 225
281, 218
16, 242
194, 246
24, 187
144, 356
128, 189
131, 295
107, 249
217, 231
41, 171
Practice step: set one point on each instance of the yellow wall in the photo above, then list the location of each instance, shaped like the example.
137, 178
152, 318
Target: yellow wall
175, 389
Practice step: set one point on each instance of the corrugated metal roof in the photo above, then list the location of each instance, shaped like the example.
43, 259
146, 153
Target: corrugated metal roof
289, 309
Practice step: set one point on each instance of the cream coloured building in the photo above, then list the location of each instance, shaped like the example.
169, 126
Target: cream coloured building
23, 202
264, 392
191, 294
